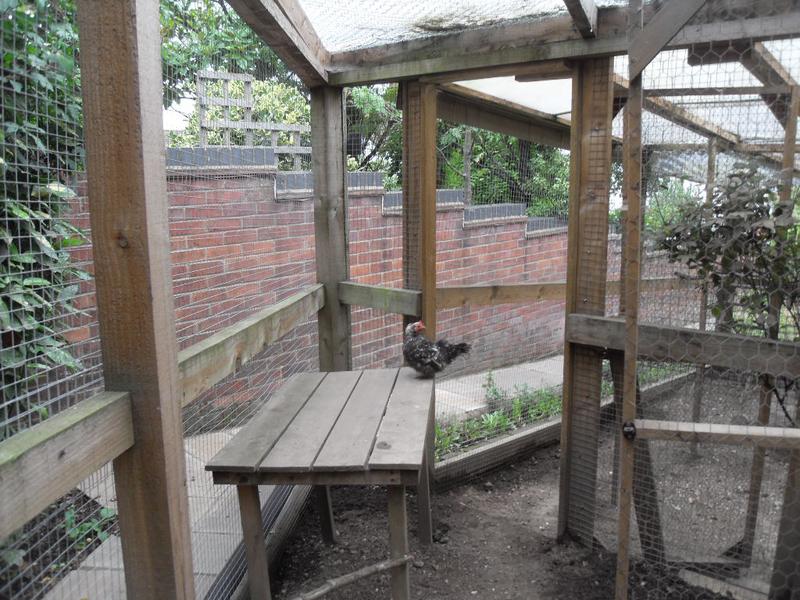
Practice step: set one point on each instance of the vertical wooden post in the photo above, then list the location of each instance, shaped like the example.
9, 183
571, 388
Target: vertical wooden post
398, 540
700, 371
254, 542
121, 81
330, 223
785, 582
590, 175
631, 256
419, 195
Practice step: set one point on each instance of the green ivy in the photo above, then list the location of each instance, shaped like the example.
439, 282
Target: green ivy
40, 149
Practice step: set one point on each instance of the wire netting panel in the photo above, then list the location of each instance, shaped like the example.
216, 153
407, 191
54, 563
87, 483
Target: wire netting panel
50, 352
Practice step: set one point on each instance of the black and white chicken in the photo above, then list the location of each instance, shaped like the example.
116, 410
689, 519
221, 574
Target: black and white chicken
426, 357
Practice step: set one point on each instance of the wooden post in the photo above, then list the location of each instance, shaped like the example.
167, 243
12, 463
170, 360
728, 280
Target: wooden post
419, 195
398, 540
700, 370
121, 83
785, 581
330, 224
632, 167
590, 174
254, 542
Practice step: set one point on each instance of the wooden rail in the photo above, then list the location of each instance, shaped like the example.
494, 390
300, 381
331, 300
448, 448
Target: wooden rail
206, 363
682, 431
407, 302
392, 300
724, 350
41, 464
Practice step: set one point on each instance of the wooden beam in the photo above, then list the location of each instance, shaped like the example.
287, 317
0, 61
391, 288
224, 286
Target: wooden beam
284, 27
386, 299
486, 295
544, 71
419, 196
584, 14
691, 346
714, 91
660, 29
590, 174
121, 85
208, 362
548, 39
329, 165
679, 115
768, 70
736, 435
41, 464
460, 104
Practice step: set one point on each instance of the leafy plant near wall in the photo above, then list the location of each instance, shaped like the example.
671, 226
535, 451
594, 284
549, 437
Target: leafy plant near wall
39, 150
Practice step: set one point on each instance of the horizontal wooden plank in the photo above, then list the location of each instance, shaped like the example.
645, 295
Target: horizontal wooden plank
301, 442
483, 295
377, 477
249, 447
41, 464
724, 350
401, 439
350, 442
392, 300
717, 433
486, 295
206, 363
548, 39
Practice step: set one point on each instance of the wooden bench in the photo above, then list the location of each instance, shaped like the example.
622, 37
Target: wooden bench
342, 428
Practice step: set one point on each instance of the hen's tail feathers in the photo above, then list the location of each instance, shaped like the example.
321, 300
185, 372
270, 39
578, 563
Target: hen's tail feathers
452, 351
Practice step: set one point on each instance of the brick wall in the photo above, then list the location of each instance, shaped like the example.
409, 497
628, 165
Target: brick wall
237, 248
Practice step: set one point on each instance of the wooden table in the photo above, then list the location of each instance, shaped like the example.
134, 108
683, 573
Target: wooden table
341, 428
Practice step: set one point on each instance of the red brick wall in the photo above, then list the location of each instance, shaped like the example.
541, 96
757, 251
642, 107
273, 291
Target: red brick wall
236, 249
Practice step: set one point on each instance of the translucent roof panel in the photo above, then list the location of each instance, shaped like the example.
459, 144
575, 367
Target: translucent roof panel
552, 97
353, 24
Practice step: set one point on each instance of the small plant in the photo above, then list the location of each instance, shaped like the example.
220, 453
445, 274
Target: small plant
94, 527
495, 422
494, 395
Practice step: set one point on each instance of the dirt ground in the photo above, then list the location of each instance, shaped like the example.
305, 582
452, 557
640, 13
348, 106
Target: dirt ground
495, 538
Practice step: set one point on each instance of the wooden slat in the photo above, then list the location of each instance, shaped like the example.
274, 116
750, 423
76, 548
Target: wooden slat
250, 445
329, 165
121, 84
206, 363
350, 443
660, 29
41, 464
584, 13
768, 70
398, 445
690, 345
382, 477
300, 443
419, 196
464, 105
269, 21
717, 433
392, 300
484, 295
548, 39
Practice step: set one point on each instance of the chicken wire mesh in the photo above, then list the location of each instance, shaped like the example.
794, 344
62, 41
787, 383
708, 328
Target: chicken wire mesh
50, 352
719, 230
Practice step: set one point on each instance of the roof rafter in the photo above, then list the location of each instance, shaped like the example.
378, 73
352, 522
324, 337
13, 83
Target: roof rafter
549, 39
284, 26
584, 14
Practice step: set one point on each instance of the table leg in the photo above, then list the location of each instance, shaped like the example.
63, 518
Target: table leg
254, 542
398, 540
424, 520
322, 496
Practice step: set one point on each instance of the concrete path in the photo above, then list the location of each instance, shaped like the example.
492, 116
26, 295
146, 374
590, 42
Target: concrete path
465, 396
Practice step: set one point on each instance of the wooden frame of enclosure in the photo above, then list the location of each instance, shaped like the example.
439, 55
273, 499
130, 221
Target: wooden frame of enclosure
136, 423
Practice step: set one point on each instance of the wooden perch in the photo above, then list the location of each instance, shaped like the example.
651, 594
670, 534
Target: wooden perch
338, 582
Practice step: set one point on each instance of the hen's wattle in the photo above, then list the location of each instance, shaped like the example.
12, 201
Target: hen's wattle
425, 357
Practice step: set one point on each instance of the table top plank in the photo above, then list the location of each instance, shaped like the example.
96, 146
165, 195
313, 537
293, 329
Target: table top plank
302, 440
350, 443
250, 445
400, 443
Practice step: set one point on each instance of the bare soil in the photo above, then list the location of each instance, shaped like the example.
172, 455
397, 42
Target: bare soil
495, 538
